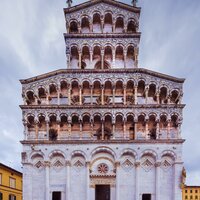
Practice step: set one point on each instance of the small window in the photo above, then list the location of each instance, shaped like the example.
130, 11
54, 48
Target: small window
190, 191
56, 196
12, 197
146, 197
186, 197
12, 183
196, 191
185, 191
1, 196
0, 179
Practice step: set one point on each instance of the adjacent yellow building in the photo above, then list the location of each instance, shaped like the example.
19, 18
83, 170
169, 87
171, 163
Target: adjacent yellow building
191, 193
10, 183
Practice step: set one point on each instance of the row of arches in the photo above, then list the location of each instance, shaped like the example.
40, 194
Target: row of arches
102, 58
97, 93
102, 24
94, 153
104, 127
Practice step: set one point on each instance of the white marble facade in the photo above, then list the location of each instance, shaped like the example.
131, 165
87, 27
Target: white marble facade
103, 129
132, 170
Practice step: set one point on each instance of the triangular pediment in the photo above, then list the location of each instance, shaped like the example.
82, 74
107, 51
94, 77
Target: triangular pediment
110, 2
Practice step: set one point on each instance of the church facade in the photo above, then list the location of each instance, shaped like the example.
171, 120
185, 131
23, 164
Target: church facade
102, 129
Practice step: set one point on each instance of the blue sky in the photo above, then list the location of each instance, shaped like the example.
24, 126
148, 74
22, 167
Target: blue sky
31, 43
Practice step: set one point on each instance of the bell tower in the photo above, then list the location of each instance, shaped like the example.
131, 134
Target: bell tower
102, 40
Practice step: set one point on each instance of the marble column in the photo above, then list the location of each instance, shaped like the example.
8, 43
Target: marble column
178, 166
88, 180
47, 184
157, 165
47, 130
137, 175
69, 95
80, 95
25, 130
135, 94
117, 165
68, 190
124, 94
79, 59
102, 59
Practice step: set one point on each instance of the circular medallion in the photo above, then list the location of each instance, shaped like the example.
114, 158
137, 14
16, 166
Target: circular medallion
102, 168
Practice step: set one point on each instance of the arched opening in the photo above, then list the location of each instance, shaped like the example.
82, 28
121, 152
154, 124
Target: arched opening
74, 57
85, 25
97, 92
108, 21
75, 125
63, 88
85, 57
119, 92
119, 27
119, 62
141, 127
107, 92
75, 93
53, 94
152, 94
63, 92
174, 97
86, 123
73, 27
131, 27
42, 123
163, 126
108, 56
141, 92
86, 92
130, 127
97, 57
152, 127
130, 100
108, 127
53, 131
163, 95
97, 124
31, 125
42, 96
97, 23
174, 126
119, 126
130, 60
30, 98
63, 124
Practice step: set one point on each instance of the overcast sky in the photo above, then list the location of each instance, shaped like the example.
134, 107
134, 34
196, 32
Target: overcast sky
32, 43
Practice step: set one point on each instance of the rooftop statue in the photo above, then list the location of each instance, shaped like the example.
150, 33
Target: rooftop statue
69, 2
134, 2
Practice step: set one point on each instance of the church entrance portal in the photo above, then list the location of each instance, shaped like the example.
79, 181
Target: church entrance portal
56, 196
102, 192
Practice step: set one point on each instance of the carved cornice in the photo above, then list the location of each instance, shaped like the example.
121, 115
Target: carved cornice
100, 35
84, 142
88, 4
72, 73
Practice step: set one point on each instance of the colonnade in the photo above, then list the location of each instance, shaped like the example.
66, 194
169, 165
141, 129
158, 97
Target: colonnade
103, 94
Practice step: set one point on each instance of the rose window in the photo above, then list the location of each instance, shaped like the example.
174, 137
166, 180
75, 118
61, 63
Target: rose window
103, 168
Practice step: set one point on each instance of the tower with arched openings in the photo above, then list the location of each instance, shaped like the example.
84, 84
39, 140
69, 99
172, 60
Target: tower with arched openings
104, 128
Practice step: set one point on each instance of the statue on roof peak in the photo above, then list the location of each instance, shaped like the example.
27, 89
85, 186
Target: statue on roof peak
69, 2
134, 2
